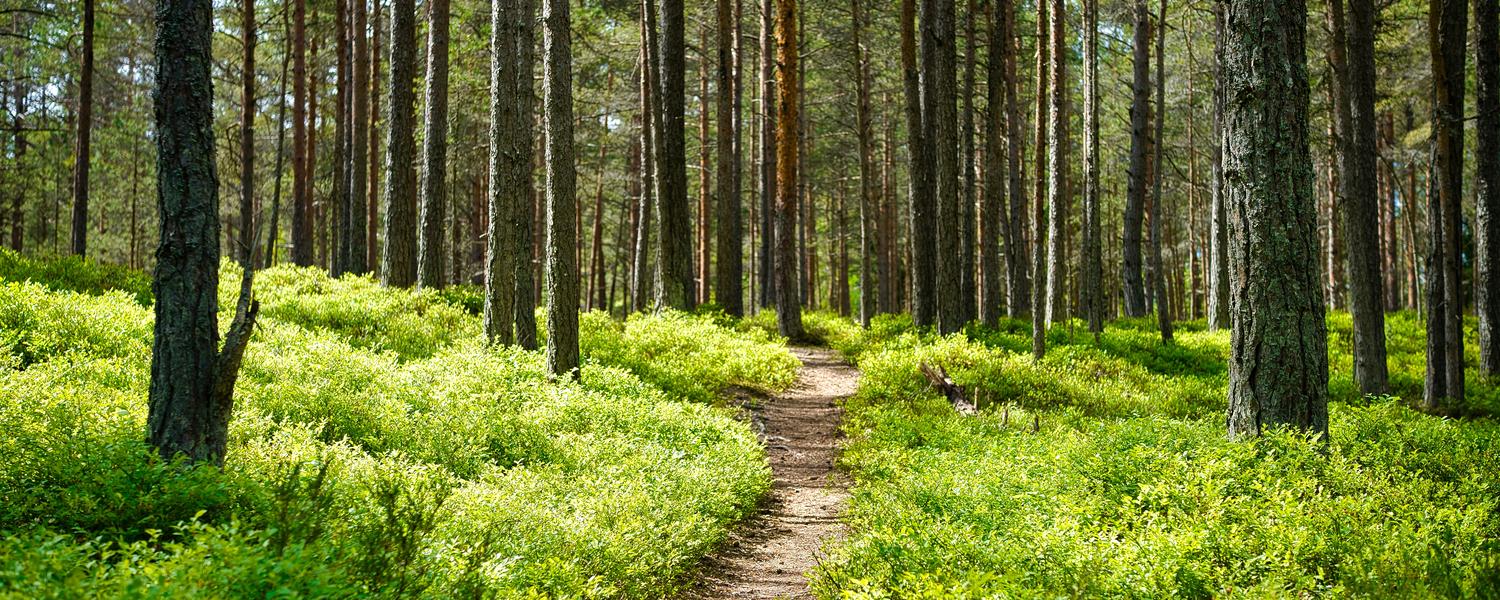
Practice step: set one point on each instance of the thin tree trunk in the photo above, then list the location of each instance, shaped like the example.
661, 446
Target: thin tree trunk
372, 213
596, 294
730, 252
1362, 205
1018, 264
788, 307
82, 151
674, 265
703, 244
398, 266
1157, 167
562, 267
1093, 262
302, 232
1448, 25
1058, 191
1039, 212
642, 274
274, 229
863, 137
1218, 244
768, 154
1487, 181
359, 144
337, 209
1278, 366
968, 194
921, 195
1135, 199
247, 137
434, 200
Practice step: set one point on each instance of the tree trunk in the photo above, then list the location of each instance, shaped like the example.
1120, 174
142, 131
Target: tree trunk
674, 265
192, 380
1135, 198
434, 201
1058, 191
525, 203
868, 211
1278, 366
641, 275
1361, 204
1157, 166
922, 180
940, 122
1017, 261
1093, 262
968, 292
247, 137
1038, 207
788, 306
562, 236
82, 152
337, 209
372, 205
359, 142
398, 266
1447, 26
768, 154
509, 162
1487, 181
302, 232
703, 238
1218, 243
730, 252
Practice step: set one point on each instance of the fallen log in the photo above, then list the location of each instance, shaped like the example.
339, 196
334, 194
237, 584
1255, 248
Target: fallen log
938, 377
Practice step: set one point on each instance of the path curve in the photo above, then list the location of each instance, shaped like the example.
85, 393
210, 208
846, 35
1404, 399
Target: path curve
771, 556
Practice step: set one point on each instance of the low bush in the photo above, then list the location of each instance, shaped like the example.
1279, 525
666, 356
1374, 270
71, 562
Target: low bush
370, 459
1104, 471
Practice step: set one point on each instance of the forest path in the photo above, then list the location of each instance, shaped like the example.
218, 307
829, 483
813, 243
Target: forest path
770, 556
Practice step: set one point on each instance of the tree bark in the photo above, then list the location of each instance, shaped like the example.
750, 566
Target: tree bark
922, 179
562, 234
1135, 198
398, 266
968, 292
868, 211
509, 162
1093, 262
1278, 366
302, 231
767, 160
525, 203
703, 235
1487, 181
372, 213
1361, 203
359, 142
992, 230
1218, 244
1058, 191
940, 120
337, 206
192, 380
730, 275
1447, 26
788, 304
247, 236
674, 265
434, 201
1018, 263
1038, 206
85, 123
642, 272
1157, 166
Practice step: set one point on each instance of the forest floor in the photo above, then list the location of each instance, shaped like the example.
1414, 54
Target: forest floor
770, 556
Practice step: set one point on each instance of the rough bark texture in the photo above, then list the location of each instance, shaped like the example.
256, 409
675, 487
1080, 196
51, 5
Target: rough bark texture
1487, 181
922, 180
399, 258
1135, 196
1361, 203
524, 208
1058, 191
192, 381
302, 231
1038, 207
674, 264
1157, 166
1017, 261
336, 207
510, 163
641, 271
992, 222
372, 205
1218, 245
434, 201
864, 136
1278, 367
788, 302
968, 289
1447, 26
1093, 261
562, 234
246, 250
359, 144
730, 282
940, 118
82, 152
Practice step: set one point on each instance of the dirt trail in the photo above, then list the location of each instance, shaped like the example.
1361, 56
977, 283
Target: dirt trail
771, 555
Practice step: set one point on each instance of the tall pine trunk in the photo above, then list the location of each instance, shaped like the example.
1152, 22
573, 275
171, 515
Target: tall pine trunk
940, 121
1361, 203
922, 180
730, 273
1447, 27
1278, 365
1487, 181
1135, 197
1218, 243
1058, 192
674, 265
398, 266
82, 150
1017, 261
1093, 261
788, 302
868, 211
359, 143
509, 164
302, 230
1157, 166
562, 234
434, 201
246, 241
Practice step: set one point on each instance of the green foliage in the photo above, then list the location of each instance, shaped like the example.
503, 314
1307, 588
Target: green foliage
75, 274
1104, 471
370, 459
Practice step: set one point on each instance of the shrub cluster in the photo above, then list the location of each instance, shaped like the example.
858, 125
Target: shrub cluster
1104, 471
378, 448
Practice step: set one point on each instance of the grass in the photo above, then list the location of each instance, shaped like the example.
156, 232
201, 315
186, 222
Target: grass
378, 449
1104, 471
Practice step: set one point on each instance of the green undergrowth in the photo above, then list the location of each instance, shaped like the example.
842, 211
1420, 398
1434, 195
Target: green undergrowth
1104, 471
378, 449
